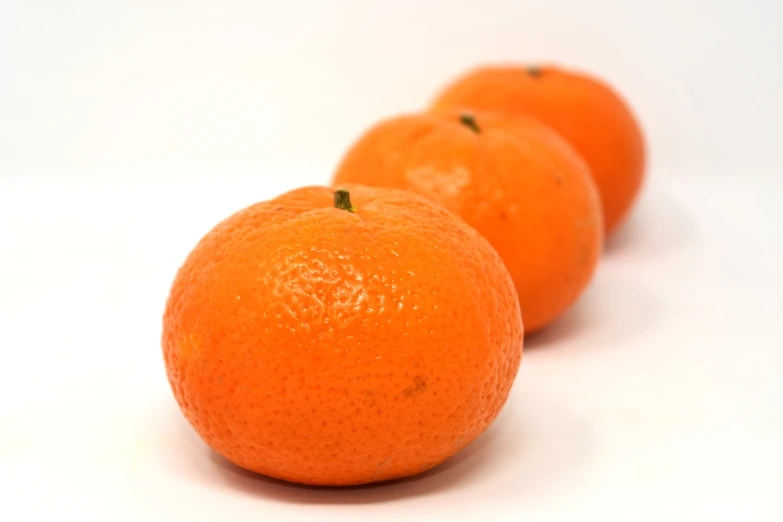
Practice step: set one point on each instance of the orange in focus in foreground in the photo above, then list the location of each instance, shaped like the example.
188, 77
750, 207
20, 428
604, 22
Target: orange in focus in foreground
329, 342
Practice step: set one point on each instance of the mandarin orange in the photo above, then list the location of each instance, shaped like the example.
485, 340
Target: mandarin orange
339, 338
512, 178
583, 109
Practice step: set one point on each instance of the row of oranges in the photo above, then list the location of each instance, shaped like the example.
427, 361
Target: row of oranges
372, 330
519, 181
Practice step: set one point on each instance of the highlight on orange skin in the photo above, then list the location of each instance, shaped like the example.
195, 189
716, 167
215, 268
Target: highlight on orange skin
511, 178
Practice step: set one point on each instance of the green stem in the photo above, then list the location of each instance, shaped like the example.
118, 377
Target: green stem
469, 121
534, 71
342, 200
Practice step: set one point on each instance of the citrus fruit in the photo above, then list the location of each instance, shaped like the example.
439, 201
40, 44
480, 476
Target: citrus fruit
341, 337
583, 109
512, 178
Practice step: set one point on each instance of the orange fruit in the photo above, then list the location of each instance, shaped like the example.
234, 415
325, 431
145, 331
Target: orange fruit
512, 178
338, 338
586, 111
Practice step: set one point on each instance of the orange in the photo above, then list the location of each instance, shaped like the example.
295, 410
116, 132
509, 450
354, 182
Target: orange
512, 178
583, 109
341, 338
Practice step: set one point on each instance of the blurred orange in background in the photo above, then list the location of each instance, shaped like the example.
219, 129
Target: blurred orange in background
585, 110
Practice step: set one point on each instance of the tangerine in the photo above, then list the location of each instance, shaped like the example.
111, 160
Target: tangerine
583, 109
512, 178
340, 338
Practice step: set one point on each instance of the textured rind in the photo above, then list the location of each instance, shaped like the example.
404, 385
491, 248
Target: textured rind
320, 346
516, 181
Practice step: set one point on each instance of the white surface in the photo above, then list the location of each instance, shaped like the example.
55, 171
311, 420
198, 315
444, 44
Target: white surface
657, 398
97, 85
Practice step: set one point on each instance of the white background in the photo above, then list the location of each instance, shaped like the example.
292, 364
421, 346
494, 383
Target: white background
127, 130
98, 85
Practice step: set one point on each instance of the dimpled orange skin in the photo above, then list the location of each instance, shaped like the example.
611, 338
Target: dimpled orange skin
582, 109
320, 346
514, 180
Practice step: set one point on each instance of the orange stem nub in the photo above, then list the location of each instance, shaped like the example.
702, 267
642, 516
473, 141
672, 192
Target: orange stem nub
342, 200
469, 121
